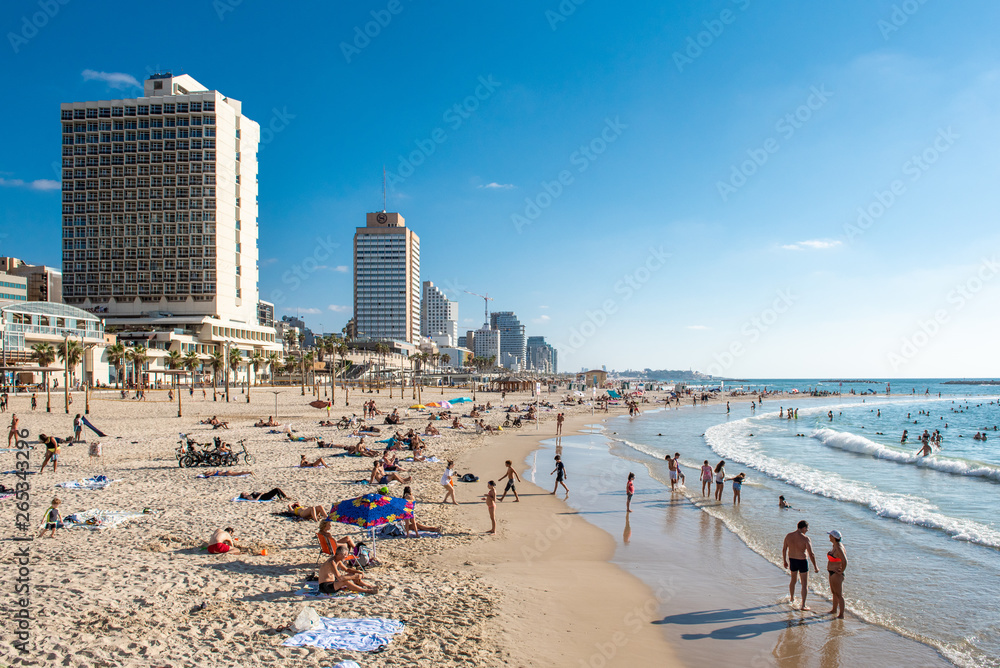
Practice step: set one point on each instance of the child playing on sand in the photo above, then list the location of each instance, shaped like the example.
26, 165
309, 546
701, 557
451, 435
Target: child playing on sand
511, 474
491, 504
52, 519
629, 491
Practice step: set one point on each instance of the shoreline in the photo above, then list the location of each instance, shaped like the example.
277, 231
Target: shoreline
556, 570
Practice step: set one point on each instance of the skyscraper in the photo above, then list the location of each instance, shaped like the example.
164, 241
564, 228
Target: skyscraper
386, 279
438, 316
511, 336
541, 355
487, 344
159, 214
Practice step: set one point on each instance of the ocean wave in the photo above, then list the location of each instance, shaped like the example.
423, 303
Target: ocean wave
861, 445
731, 442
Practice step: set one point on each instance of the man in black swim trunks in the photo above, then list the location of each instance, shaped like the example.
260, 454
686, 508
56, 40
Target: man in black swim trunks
793, 553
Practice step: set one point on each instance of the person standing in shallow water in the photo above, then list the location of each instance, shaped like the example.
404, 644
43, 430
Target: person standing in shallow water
836, 567
629, 491
794, 552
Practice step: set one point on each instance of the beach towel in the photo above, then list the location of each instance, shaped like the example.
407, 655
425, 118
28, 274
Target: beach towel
202, 475
92, 428
100, 519
4, 497
95, 483
237, 499
352, 635
16, 472
312, 590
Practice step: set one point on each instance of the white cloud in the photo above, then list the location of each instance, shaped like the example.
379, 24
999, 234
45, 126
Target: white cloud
699, 327
37, 184
341, 268
301, 311
497, 186
336, 308
117, 80
543, 306
266, 262
813, 244
541, 319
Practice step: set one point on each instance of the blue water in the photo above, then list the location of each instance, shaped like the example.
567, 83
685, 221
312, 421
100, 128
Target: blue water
921, 533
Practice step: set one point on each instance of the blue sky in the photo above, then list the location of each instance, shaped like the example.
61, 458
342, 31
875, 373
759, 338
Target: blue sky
645, 185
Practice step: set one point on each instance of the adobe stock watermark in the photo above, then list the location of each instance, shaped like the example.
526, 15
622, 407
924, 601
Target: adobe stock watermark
914, 169
957, 298
32, 23
695, 45
280, 118
626, 287
582, 158
751, 331
301, 271
455, 116
363, 35
562, 12
899, 17
223, 7
786, 127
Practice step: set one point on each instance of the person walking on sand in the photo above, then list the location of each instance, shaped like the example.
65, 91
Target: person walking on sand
52, 520
560, 471
491, 505
448, 482
836, 566
720, 479
559, 423
510, 475
34, 401
706, 478
629, 491
794, 551
12, 434
51, 451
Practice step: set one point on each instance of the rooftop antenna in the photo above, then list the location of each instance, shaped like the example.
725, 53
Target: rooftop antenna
383, 188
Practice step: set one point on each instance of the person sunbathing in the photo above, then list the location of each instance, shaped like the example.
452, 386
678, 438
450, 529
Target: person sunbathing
270, 422
218, 473
393, 418
380, 477
335, 575
367, 429
455, 424
264, 496
306, 464
412, 524
474, 413
418, 453
314, 513
301, 439
390, 463
223, 541
431, 430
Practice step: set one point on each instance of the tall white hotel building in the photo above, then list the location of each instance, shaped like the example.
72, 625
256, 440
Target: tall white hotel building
159, 215
386, 279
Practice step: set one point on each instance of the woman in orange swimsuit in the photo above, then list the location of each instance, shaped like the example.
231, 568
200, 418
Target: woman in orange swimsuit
836, 566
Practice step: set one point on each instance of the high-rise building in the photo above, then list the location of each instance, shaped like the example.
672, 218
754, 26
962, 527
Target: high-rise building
511, 337
159, 215
44, 283
487, 343
541, 355
265, 314
438, 316
386, 279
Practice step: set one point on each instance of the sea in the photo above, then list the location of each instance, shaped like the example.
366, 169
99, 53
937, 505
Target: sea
921, 533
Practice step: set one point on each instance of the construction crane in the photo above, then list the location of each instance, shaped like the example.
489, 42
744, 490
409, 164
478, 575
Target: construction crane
486, 306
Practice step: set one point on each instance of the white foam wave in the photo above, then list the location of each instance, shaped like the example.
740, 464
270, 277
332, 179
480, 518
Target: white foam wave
861, 445
731, 442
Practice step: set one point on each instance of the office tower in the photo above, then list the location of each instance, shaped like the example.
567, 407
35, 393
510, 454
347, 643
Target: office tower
159, 215
438, 316
512, 339
386, 279
487, 344
541, 355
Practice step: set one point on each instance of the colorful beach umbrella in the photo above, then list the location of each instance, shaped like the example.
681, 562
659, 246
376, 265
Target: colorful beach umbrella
433, 404
319, 404
370, 511
461, 400
418, 406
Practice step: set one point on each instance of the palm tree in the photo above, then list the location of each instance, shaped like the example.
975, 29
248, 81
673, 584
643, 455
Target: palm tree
256, 361
342, 351
174, 361
292, 339
138, 355
273, 360
45, 355
305, 359
445, 358
217, 361
116, 357
192, 362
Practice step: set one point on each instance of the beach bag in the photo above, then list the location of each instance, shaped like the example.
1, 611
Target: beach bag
363, 556
390, 531
468, 477
307, 620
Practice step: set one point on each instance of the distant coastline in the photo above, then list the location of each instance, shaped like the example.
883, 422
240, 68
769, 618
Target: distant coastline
971, 382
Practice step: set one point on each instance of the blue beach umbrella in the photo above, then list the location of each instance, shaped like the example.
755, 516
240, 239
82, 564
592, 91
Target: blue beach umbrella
460, 400
371, 510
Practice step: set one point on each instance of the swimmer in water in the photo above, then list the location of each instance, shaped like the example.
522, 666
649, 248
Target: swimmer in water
924, 451
782, 504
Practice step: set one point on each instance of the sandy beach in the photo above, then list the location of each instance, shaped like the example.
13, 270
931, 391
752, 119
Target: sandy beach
145, 593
